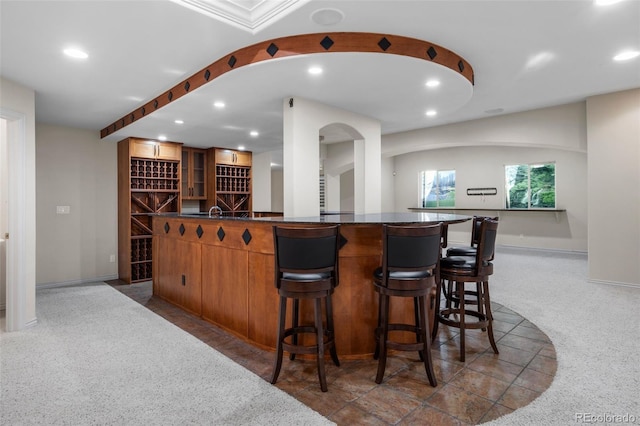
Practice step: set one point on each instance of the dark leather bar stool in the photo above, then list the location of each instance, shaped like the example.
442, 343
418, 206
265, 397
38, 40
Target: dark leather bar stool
470, 250
306, 267
469, 269
410, 258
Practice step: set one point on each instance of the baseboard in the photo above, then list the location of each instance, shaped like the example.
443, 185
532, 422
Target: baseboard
615, 283
75, 282
542, 250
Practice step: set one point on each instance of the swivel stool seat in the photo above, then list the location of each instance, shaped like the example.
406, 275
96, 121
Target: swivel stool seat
469, 269
410, 259
306, 267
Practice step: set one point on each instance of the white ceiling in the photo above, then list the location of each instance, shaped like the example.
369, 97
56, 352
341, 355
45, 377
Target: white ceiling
139, 49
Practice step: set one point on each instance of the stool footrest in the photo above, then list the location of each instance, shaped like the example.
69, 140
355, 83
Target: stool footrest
305, 349
482, 322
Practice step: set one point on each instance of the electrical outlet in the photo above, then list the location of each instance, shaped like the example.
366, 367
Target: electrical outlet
63, 209
112, 258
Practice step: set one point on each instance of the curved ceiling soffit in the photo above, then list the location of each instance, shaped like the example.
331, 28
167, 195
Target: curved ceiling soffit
305, 44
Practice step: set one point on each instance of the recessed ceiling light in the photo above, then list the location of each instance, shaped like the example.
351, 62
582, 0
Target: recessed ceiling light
218, 104
179, 122
162, 137
315, 70
75, 53
626, 55
433, 83
240, 148
254, 133
431, 113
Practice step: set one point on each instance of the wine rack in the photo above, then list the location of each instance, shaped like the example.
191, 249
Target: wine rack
154, 189
233, 189
148, 183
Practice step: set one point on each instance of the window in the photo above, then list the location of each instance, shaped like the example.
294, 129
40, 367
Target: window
530, 186
438, 188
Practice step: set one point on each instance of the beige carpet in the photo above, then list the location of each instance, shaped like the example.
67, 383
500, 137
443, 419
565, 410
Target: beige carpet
595, 329
97, 357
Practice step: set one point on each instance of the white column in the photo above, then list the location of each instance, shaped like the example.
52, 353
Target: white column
331, 192
302, 121
372, 174
301, 160
261, 182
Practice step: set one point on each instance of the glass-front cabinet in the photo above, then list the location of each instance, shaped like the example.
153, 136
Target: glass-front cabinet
194, 174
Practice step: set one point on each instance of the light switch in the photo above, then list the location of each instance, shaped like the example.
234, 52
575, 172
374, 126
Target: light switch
63, 209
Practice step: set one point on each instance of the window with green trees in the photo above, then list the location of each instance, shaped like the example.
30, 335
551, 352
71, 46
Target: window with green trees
530, 186
438, 188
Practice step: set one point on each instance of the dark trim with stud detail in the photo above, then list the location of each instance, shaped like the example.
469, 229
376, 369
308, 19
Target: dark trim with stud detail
302, 45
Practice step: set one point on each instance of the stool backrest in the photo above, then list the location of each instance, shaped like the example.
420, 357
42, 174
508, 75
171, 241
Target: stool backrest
306, 250
411, 247
475, 229
487, 241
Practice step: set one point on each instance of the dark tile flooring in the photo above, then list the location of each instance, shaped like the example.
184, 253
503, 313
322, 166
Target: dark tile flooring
483, 388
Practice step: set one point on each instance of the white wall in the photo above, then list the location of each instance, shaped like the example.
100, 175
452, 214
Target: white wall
478, 150
484, 167
277, 190
614, 187
76, 169
561, 127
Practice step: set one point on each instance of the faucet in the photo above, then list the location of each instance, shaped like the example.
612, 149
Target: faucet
217, 209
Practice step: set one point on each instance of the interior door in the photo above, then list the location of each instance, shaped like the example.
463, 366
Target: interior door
3, 213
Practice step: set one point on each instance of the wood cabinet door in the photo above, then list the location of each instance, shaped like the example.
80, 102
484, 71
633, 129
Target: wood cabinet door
155, 150
142, 149
194, 174
169, 151
225, 291
179, 278
243, 158
225, 156
233, 158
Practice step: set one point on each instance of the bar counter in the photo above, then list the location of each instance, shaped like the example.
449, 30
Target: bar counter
221, 269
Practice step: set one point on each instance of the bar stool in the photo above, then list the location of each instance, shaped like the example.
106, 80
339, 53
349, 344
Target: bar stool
410, 257
469, 269
306, 267
470, 250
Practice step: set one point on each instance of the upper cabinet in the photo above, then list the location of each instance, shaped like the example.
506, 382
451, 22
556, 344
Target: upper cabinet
233, 158
194, 174
142, 148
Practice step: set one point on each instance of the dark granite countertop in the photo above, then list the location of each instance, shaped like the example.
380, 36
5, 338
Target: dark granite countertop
371, 218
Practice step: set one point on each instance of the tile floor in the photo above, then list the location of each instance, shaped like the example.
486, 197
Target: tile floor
483, 388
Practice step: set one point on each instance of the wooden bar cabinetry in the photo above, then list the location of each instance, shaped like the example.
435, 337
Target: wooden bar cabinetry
148, 183
229, 176
222, 269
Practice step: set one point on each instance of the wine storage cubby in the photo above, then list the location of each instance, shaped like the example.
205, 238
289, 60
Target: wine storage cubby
146, 186
233, 189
